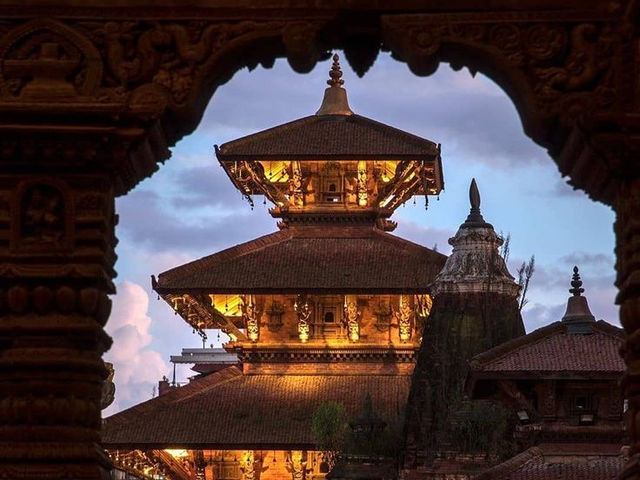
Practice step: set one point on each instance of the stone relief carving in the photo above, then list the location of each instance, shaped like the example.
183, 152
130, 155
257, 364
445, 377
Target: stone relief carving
43, 217
46, 60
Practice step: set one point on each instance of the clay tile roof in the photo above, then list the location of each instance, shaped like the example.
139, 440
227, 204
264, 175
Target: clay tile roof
554, 351
534, 464
227, 409
321, 259
316, 136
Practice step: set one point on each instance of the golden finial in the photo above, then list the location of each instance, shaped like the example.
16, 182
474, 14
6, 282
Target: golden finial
335, 73
335, 97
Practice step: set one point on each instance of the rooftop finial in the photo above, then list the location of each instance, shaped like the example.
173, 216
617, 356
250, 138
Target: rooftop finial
475, 217
335, 73
578, 316
474, 195
576, 283
335, 97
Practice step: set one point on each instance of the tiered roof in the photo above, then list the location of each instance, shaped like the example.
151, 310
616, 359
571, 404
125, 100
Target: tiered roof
554, 351
317, 137
230, 410
311, 259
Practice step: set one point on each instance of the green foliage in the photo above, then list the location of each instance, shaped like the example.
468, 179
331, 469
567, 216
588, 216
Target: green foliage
329, 427
482, 428
387, 443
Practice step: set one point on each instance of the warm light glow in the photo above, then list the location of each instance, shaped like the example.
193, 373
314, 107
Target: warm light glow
177, 452
276, 171
227, 305
354, 334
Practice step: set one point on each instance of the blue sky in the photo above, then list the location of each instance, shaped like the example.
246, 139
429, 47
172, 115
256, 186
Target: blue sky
189, 208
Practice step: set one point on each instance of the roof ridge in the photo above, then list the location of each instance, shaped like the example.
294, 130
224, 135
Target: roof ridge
262, 133
384, 126
400, 142
502, 350
609, 329
163, 401
396, 238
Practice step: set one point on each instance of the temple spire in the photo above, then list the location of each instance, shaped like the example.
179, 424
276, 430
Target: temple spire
335, 97
475, 264
578, 316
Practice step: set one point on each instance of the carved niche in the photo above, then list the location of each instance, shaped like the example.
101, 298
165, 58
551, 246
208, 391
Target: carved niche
275, 312
383, 313
42, 217
46, 61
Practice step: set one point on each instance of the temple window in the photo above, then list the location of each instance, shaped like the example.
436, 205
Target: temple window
583, 403
332, 183
328, 314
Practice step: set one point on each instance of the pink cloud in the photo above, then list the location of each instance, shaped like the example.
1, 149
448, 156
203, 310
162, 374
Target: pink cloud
137, 367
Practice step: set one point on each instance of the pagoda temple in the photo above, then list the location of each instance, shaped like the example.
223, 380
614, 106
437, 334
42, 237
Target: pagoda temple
329, 309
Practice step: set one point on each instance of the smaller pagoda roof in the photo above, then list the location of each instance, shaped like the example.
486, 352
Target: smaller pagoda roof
334, 132
320, 137
574, 462
554, 351
323, 259
228, 409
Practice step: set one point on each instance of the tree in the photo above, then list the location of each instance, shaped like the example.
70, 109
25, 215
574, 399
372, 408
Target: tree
504, 249
329, 428
525, 272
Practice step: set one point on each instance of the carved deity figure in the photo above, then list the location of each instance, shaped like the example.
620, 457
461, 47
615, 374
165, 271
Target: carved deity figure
42, 216
362, 187
404, 317
297, 464
295, 185
248, 465
304, 314
351, 317
423, 309
251, 316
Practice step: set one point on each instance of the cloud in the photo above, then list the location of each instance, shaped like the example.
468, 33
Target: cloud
151, 222
537, 315
585, 259
137, 367
206, 186
423, 235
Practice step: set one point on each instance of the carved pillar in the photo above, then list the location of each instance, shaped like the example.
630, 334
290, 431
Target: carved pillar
56, 257
627, 229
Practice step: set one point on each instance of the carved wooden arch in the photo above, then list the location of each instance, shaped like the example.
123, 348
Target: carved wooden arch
160, 75
156, 76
